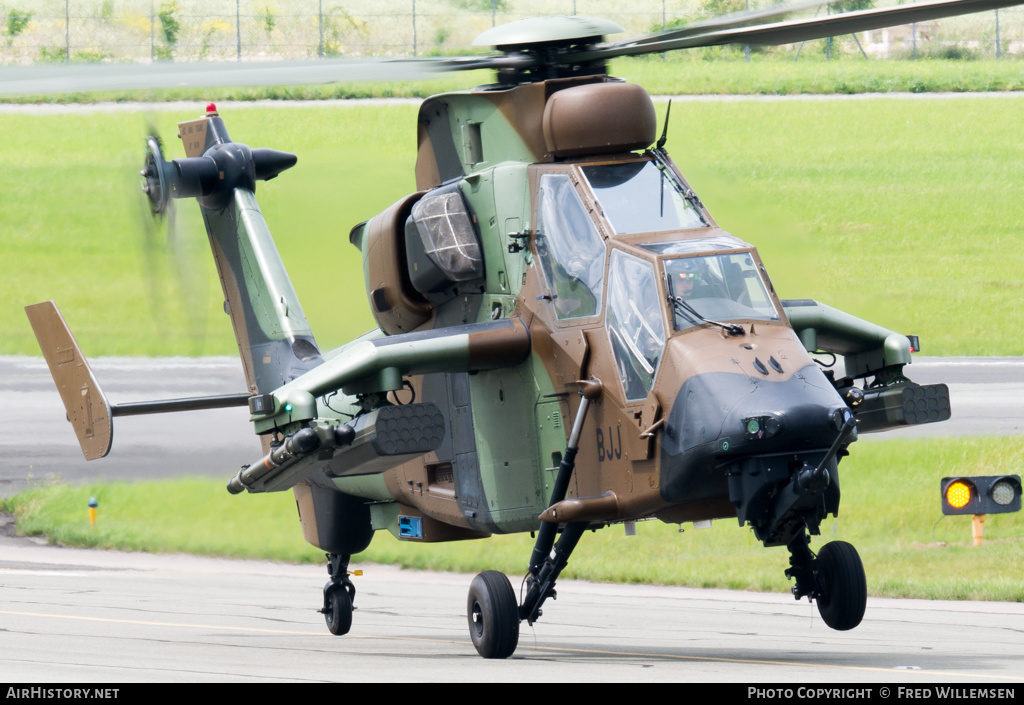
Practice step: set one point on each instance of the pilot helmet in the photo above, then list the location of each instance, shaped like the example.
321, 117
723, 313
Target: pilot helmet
690, 268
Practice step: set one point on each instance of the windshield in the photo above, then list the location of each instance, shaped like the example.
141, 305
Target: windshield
718, 288
641, 197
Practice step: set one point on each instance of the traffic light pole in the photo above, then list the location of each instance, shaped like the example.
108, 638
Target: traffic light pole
978, 528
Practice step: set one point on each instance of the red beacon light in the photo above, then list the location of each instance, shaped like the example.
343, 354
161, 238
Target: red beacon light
211, 109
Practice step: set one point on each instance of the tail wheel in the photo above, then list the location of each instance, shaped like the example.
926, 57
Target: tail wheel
338, 610
842, 586
493, 615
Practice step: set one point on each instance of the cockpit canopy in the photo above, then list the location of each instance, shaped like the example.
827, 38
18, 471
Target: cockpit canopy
570, 248
710, 281
718, 287
641, 197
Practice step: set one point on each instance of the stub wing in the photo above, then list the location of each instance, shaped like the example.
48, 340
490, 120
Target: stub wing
87, 407
875, 355
378, 438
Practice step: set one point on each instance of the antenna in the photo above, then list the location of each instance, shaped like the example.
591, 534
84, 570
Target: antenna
664, 132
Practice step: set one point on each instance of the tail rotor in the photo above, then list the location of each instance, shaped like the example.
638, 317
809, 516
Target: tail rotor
178, 286
155, 181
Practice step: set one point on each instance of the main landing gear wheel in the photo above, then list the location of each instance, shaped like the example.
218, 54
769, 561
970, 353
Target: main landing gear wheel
337, 609
842, 586
493, 615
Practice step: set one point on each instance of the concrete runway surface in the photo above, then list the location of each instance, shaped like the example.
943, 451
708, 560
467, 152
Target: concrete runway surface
78, 616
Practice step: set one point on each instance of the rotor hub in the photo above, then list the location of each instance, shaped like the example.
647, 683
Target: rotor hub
154, 176
542, 48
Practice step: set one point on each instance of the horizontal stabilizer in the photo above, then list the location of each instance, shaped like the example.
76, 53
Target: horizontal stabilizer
87, 407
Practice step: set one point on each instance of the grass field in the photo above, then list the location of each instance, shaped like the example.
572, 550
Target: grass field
681, 75
890, 512
901, 211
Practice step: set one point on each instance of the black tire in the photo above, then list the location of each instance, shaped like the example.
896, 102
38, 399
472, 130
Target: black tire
493, 615
843, 587
338, 610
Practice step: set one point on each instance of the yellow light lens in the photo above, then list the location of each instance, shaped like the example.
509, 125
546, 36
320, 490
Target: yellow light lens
958, 495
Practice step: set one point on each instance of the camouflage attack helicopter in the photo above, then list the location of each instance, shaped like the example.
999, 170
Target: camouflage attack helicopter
566, 338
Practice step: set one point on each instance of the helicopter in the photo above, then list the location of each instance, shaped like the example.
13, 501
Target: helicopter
566, 340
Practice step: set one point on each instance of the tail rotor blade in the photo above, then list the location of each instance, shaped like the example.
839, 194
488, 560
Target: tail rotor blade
174, 269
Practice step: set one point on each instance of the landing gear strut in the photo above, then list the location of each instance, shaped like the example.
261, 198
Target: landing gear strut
339, 594
834, 579
492, 611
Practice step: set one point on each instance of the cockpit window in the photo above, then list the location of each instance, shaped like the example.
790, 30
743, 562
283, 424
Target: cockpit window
686, 247
570, 249
634, 322
640, 197
718, 288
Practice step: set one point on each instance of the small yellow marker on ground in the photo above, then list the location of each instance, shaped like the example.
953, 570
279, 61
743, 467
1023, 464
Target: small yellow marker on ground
92, 511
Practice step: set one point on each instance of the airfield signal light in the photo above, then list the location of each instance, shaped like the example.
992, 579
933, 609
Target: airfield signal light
987, 494
981, 495
211, 108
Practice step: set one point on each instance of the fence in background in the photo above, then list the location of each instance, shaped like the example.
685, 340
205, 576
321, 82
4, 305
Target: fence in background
252, 30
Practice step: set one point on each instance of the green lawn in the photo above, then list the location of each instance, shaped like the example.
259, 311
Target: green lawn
890, 512
777, 75
904, 212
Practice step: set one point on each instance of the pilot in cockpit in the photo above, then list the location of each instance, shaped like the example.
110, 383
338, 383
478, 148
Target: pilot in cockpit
691, 279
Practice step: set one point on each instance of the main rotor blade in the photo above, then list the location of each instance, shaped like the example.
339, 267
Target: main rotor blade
743, 18
730, 29
50, 79
804, 29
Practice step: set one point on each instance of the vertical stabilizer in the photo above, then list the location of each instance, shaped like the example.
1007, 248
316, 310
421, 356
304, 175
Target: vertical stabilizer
274, 339
87, 407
